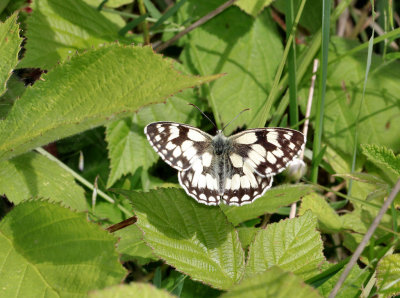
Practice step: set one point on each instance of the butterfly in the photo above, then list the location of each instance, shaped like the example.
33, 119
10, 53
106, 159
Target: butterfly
235, 170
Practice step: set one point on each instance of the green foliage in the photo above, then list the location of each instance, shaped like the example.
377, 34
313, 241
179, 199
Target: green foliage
195, 239
382, 156
388, 277
236, 44
274, 282
269, 203
9, 48
33, 176
78, 71
131, 290
328, 220
293, 245
77, 95
44, 246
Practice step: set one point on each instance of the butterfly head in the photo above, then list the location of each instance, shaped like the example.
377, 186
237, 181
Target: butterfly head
220, 143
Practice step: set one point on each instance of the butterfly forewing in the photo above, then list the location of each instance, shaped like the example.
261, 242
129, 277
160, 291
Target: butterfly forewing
179, 145
267, 150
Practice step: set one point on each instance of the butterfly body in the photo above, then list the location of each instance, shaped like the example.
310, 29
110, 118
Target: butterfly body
236, 169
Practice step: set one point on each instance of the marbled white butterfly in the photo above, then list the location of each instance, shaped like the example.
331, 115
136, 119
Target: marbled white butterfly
236, 169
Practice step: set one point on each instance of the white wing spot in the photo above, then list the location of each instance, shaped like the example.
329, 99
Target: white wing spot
202, 181
198, 169
228, 183
255, 157
196, 136
177, 152
179, 164
160, 129
247, 138
235, 185
247, 170
292, 146
277, 152
271, 158
244, 182
237, 160
272, 138
164, 151
287, 136
210, 182
259, 149
203, 197
245, 198
189, 153
157, 138
170, 146
212, 199
234, 199
207, 157
186, 145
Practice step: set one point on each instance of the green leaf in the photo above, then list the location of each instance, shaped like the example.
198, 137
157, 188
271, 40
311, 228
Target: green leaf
134, 289
92, 89
9, 47
57, 29
128, 147
195, 239
274, 282
132, 247
33, 175
272, 200
109, 3
246, 235
364, 178
388, 275
293, 244
235, 43
47, 250
252, 7
378, 121
381, 155
328, 220
351, 287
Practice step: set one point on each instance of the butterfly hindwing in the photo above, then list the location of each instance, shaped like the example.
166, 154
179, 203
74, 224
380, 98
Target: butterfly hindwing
179, 145
267, 150
243, 186
200, 183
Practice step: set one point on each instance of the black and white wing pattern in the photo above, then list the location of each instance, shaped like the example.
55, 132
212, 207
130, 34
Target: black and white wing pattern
236, 170
179, 145
268, 150
256, 155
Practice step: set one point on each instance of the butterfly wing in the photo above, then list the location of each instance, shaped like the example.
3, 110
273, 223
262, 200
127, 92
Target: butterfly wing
257, 155
244, 186
268, 151
179, 145
199, 181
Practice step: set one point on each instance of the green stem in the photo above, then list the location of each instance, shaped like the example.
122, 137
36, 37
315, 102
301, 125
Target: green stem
326, 9
82, 180
145, 25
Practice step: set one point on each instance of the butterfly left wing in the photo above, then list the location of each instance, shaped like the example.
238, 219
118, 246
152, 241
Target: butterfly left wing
179, 145
268, 151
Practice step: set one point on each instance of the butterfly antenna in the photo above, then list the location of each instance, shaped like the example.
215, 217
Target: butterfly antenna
235, 118
204, 115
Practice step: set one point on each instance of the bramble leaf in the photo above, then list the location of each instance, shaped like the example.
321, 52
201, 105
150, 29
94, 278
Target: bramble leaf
293, 245
274, 282
273, 199
92, 89
33, 175
195, 239
44, 247
10, 42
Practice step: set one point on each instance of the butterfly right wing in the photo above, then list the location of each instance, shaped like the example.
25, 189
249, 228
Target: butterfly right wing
179, 145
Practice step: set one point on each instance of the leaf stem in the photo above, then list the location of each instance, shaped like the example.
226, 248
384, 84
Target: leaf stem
82, 180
